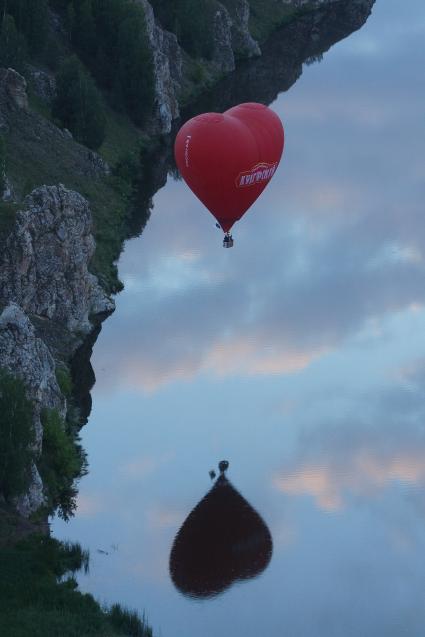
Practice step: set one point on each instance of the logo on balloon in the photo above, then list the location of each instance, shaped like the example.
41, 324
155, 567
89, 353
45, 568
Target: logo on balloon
257, 174
186, 150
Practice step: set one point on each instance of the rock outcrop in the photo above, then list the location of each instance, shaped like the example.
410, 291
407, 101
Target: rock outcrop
46, 290
31, 135
26, 356
232, 40
14, 86
243, 44
284, 54
44, 265
168, 73
223, 56
43, 83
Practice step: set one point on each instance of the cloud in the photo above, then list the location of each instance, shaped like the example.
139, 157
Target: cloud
344, 460
365, 474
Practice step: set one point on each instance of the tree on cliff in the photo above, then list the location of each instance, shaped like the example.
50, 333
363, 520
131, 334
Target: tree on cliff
12, 44
110, 37
79, 105
16, 437
191, 21
134, 83
31, 20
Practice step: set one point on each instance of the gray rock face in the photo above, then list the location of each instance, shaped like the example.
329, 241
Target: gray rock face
28, 131
27, 357
34, 498
167, 62
15, 87
8, 193
231, 37
243, 43
223, 56
98, 164
43, 83
44, 266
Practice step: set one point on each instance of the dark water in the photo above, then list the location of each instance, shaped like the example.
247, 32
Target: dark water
298, 356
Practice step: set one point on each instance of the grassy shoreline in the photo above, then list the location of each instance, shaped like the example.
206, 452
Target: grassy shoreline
38, 590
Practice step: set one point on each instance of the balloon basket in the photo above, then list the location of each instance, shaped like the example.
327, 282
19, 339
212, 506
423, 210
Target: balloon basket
228, 241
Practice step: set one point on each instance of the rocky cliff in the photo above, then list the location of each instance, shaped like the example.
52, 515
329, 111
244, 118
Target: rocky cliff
232, 39
51, 305
26, 356
50, 301
44, 265
284, 54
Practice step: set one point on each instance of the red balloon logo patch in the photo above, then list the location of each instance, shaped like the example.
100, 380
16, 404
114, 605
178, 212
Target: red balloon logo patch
227, 159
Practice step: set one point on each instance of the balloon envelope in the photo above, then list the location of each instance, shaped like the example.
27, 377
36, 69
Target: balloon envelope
227, 159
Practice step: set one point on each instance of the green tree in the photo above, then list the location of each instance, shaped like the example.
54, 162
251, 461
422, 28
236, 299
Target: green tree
70, 19
62, 461
12, 44
134, 80
84, 30
79, 105
191, 21
31, 20
16, 436
110, 36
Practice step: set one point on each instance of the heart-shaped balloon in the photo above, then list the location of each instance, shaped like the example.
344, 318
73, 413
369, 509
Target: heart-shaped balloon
227, 159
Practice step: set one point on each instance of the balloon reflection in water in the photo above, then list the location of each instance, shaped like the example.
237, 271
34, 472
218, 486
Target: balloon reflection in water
223, 540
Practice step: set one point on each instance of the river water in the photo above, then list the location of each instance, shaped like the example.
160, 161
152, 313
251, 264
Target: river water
298, 356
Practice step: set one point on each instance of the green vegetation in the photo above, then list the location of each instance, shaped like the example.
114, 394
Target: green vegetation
64, 380
60, 160
128, 622
31, 20
110, 36
16, 437
191, 21
7, 218
39, 596
79, 105
12, 44
62, 461
268, 15
122, 137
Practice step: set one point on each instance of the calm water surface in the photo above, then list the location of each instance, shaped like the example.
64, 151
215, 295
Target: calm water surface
298, 356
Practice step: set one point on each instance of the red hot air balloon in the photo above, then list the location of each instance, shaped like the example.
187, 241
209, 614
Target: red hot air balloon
227, 159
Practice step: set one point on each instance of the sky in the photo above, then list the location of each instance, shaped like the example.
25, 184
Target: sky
298, 356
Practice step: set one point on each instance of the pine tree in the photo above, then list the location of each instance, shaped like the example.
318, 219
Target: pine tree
31, 20
135, 82
12, 44
79, 105
16, 437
